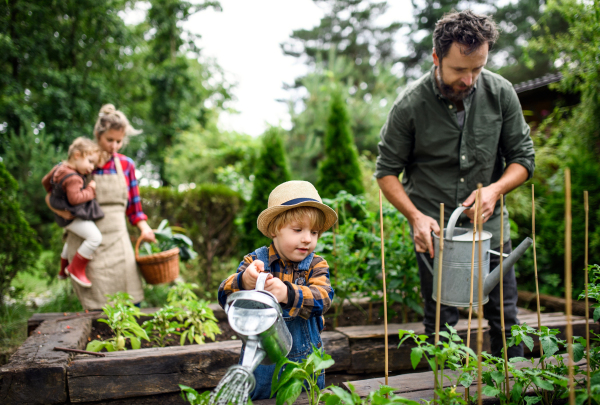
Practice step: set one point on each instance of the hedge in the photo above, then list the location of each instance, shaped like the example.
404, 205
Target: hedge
207, 212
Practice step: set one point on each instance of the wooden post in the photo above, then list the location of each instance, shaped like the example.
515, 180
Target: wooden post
334, 254
439, 294
586, 208
479, 310
568, 284
537, 288
385, 320
471, 290
502, 294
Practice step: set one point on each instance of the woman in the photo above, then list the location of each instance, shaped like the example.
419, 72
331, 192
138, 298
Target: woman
113, 267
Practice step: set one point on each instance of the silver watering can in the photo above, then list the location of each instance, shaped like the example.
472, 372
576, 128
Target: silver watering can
257, 317
456, 273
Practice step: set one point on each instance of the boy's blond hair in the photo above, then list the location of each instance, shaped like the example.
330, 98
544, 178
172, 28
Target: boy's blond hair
314, 215
84, 146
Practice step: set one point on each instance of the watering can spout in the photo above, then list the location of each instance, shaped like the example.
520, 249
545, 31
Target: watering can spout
494, 277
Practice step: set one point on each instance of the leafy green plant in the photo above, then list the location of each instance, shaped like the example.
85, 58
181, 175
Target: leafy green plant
450, 354
382, 396
199, 322
170, 237
593, 289
354, 256
296, 376
163, 324
191, 395
196, 316
121, 317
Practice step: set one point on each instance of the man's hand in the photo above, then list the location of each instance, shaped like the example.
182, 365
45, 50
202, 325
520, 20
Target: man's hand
251, 275
489, 197
278, 288
422, 227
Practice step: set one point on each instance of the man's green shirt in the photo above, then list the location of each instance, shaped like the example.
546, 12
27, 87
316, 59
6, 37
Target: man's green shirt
442, 162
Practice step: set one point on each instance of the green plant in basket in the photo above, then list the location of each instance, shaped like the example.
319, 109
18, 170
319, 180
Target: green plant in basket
121, 317
167, 238
164, 324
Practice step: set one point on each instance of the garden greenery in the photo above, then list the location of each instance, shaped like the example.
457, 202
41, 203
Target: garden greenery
354, 257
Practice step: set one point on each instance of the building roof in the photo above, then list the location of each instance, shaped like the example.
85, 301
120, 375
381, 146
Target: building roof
539, 82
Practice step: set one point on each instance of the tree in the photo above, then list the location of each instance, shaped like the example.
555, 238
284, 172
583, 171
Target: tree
19, 248
59, 61
349, 29
340, 169
272, 170
516, 21
568, 138
178, 94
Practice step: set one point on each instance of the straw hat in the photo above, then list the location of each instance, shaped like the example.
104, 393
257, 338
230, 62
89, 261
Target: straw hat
293, 194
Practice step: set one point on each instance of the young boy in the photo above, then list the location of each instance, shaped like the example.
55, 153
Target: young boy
299, 279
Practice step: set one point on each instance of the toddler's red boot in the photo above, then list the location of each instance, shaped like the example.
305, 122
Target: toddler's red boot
77, 270
63, 274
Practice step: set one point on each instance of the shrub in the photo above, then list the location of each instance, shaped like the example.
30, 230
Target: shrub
19, 248
272, 170
340, 169
208, 213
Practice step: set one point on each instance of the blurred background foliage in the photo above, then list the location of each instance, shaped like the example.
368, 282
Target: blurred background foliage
61, 60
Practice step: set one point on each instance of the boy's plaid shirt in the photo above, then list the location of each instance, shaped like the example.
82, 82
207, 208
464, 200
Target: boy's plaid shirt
313, 298
134, 204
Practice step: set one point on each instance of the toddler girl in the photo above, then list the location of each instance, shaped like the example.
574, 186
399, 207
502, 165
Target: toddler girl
66, 185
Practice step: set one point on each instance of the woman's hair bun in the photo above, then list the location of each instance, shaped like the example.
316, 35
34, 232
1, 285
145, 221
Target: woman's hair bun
107, 109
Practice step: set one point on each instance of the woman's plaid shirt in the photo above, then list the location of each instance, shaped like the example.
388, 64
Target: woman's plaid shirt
313, 292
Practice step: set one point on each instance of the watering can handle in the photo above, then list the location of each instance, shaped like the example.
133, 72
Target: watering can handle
426, 261
452, 221
260, 281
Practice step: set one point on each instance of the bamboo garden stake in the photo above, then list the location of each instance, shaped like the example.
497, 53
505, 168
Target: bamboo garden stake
537, 288
586, 207
479, 309
568, 283
439, 291
385, 323
502, 294
471, 293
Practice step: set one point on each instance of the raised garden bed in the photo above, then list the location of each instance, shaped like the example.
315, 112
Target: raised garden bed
37, 374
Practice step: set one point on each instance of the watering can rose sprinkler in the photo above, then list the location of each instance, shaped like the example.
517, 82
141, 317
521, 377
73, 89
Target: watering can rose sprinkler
456, 280
257, 317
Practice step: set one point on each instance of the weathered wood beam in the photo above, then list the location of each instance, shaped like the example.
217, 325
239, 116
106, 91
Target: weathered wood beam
36, 374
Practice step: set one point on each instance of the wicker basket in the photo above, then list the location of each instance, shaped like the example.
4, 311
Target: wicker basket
158, 268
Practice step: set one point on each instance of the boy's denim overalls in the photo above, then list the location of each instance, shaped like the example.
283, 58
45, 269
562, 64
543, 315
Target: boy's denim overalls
304, 332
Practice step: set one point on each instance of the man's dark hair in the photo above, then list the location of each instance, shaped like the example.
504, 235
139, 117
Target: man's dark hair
465, 28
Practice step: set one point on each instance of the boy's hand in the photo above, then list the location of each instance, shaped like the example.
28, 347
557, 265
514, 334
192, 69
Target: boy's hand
92, 184
251, 274
278, 288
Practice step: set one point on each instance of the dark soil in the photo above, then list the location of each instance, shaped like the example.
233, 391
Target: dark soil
102, 331
349, 316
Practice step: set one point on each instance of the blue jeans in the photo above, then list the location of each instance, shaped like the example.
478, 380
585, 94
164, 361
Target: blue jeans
304, 333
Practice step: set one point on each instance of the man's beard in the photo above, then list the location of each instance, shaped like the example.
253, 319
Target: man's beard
448, 91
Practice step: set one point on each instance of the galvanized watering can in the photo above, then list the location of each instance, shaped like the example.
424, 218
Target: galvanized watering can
257, 317
456, 272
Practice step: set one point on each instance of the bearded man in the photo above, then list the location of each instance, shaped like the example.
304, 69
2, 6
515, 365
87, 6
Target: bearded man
455, 127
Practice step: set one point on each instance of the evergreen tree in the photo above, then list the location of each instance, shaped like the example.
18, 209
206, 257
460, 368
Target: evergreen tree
272, 170
516, 21
340, 169
349, 29
19, 248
